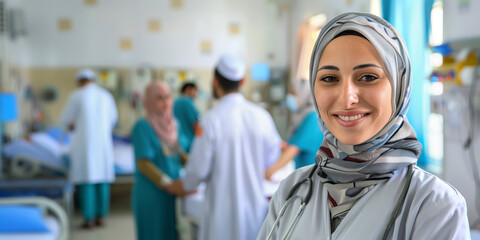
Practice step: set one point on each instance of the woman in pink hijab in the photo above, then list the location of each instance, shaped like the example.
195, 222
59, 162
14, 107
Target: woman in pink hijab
157, 150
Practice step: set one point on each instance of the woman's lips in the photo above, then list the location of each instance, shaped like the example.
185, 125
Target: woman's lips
350, 119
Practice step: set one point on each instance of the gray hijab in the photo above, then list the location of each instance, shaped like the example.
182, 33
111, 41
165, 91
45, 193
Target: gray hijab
350, 171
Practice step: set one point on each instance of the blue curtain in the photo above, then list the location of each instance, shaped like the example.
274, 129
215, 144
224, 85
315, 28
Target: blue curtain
412, 19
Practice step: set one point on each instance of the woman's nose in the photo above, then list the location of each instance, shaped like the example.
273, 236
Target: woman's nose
349, 96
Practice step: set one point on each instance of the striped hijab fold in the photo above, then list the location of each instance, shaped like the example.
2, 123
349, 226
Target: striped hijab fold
350, 171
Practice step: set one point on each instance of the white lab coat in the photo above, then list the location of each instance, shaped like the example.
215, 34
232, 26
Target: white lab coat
94, 114
433, 210
238, 142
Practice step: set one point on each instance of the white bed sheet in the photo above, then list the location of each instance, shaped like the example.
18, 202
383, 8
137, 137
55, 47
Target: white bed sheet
56, 155
124, 158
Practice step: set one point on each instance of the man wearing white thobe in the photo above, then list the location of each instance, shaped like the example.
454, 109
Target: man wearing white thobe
234, 144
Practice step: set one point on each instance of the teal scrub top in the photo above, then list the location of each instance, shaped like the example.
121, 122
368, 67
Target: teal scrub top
308, 138
153, 208
186, 113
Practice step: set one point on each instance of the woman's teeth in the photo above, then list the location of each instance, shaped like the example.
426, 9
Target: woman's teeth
351, 118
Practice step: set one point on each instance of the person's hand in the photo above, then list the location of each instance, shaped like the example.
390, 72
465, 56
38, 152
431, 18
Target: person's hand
268, 174
176, 188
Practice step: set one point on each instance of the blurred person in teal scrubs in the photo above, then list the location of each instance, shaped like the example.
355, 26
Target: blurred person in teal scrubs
157, 140
304, 134
185, 111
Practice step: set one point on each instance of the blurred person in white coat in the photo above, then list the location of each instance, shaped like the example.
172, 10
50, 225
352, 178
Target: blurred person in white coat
235, 142
91, 114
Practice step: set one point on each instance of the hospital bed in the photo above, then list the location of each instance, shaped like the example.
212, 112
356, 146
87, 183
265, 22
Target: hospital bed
39, 167
46, 153
39, 211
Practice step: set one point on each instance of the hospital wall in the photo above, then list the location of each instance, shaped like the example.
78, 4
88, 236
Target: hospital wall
53, 39
64, 80
460, 20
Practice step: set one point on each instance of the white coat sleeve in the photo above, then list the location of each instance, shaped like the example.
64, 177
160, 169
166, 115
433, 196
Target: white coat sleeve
114, 112
200, 158
274, 143
69, 112
445, 218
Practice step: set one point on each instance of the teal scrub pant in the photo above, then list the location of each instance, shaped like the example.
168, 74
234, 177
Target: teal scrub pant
94, 200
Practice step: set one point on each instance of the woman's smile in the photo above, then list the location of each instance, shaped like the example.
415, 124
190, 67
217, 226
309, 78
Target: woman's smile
350, 119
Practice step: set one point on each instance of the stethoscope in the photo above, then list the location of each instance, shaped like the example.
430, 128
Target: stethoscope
304, 201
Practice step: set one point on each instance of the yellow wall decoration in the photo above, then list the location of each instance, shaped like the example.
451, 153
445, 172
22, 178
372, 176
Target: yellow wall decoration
182, 75
234, 28
176, 3
154, 25
64, 24
284, 7
90, 2
126, 44
206, 46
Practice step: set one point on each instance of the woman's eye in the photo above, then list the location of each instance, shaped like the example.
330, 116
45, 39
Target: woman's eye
368, 78
328, 79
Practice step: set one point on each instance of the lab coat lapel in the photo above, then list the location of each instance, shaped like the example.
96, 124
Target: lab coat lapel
369, 217
317, 208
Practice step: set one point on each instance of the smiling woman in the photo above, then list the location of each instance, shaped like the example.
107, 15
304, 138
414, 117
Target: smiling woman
361, 81
354, 94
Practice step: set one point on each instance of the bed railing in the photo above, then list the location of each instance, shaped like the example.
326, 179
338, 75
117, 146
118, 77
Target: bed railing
44, 203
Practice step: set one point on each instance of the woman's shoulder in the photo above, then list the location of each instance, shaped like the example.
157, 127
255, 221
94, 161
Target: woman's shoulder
141, 122
432, 188
141, 125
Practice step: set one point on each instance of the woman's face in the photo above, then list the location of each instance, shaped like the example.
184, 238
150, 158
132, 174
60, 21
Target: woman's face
160, 99
163, 101
352, 90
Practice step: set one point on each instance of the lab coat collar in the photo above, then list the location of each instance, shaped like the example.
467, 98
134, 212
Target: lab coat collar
231, 97
89, 85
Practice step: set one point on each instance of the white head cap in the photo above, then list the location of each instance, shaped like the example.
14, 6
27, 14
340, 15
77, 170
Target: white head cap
86, 74
231, 68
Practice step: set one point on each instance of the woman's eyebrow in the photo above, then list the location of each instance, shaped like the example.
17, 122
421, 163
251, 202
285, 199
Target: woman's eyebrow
329, 67
366, 66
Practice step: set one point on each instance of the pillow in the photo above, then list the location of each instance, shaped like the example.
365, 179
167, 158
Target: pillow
47, 143
21, 219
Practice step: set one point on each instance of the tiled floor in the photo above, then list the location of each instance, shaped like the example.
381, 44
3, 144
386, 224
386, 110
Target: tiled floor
119, 224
